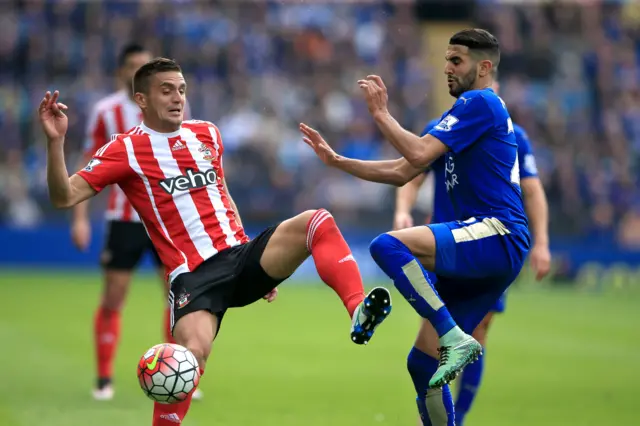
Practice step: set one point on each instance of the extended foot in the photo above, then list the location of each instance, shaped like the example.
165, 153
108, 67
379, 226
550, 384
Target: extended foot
453, 359
104, 390
374, 309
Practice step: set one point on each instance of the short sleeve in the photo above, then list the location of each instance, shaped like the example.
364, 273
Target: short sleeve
428, 127
109, 165
526, 158
465, 123
95, 133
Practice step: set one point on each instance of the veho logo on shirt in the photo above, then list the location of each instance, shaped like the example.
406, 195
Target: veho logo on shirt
193, 179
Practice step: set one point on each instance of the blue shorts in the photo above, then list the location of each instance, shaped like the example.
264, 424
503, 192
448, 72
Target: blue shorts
476, 261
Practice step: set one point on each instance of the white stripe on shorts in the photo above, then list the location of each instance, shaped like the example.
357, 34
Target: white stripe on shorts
171, 308
489, 227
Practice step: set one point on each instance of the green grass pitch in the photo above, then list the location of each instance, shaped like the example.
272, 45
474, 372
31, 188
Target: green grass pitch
555, 358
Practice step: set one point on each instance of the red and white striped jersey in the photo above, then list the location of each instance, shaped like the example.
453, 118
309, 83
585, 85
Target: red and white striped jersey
114, 114
176, 183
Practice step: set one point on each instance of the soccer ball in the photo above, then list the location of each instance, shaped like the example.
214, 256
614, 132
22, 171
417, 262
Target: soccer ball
168, 373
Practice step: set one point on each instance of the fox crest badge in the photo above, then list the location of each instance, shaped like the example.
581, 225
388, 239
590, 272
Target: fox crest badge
207, 155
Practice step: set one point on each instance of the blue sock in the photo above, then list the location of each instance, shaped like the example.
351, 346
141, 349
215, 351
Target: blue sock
434, 405
468, 387
411, 280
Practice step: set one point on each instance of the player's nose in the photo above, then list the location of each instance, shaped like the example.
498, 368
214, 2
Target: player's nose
448, 69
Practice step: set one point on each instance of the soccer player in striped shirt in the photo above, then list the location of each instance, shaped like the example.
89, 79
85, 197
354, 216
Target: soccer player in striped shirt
126, 240
172, 173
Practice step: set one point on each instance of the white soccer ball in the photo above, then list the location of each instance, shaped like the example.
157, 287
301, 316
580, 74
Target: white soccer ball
168, 373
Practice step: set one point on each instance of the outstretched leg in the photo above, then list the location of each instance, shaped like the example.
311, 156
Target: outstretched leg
196, 332
168, 336
315, 233
403, 255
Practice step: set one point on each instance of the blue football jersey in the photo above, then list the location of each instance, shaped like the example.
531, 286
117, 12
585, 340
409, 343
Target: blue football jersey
481, 171
442, 207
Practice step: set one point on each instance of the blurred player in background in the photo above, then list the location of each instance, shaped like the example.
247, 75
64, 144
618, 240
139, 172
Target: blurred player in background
126, 241
535, 203
172, 172
452, 273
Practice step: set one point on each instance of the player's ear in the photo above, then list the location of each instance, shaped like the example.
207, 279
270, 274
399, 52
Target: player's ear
140, 99
484, 68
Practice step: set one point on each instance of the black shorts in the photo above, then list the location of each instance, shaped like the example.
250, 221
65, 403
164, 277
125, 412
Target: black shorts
230, 279
125, 244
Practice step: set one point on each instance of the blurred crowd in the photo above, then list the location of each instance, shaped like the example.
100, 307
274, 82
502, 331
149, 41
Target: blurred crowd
570, 74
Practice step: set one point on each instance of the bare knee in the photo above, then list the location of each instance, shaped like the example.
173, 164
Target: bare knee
291, 243
419, 240
305, 217
196, 332
295, 229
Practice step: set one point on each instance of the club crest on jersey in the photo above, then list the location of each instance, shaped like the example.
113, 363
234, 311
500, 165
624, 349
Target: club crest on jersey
447, 123
207, 155
94, 162
183, 300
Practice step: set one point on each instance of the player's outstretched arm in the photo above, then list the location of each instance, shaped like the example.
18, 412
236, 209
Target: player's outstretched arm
406, 197
394, 172
419, 151
535, 203
80, 225
63, 191
96, 137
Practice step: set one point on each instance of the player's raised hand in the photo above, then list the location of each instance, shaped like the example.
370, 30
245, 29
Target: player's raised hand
319, 145
52, 118
271, 296
375, 93
540, 258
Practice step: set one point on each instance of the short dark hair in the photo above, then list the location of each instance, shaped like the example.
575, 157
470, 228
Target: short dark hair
128, 50
154, 66
480, 43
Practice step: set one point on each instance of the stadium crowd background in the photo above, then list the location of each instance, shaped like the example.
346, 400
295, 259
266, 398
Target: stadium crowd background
570, 74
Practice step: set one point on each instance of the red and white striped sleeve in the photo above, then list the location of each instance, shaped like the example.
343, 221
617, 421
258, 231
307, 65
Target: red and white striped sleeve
108, 166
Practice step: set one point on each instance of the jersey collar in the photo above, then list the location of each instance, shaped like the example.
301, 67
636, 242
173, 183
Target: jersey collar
154, 133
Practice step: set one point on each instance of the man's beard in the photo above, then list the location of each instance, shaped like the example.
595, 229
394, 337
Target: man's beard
464, 84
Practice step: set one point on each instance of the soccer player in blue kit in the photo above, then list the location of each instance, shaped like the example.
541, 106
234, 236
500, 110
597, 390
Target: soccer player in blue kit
474, 257
535, 203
